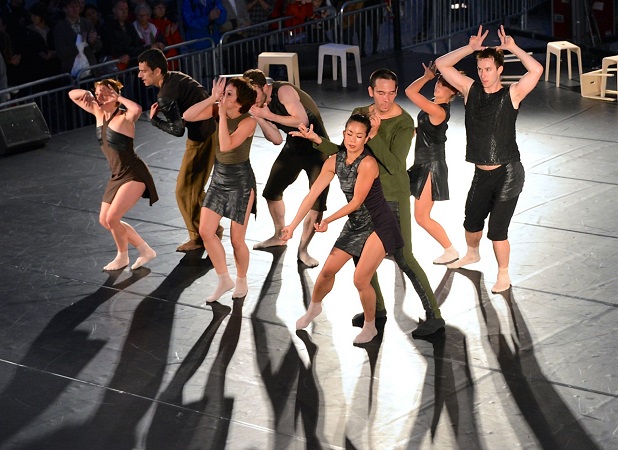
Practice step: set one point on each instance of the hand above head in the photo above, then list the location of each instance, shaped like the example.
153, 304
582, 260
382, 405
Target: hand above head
218, 88
476, 41
506, 42
88, 98
109, 92
430, 70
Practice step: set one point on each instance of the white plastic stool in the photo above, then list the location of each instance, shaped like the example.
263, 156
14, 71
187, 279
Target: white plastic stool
606, 62
556, 48
341, 51
289, 60
591, 82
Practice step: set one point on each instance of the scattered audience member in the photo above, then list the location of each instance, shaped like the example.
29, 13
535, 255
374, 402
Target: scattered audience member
66, 33
40, 57
203, 19
120, 39
259, 12
168, 29
301, 11
146, 30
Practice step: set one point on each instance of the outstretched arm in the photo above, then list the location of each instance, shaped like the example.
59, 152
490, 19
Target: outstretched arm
524, 86
307, 133
326, 176
446, 63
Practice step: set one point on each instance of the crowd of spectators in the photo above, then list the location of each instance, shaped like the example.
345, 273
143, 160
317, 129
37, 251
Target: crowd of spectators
40, 39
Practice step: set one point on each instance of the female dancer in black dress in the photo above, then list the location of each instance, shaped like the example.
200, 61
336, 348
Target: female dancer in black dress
130, 178
371, 232
232, 187
429, 174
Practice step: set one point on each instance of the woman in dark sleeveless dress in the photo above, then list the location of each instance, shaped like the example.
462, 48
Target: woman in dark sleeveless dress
429, 174
232, 187
130, 177
371, 232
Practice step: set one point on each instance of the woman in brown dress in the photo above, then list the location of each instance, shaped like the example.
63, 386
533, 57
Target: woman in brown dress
130, 177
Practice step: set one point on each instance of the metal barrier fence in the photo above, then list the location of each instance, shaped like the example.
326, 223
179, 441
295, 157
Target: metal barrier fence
366, 23
238, 49
369, 23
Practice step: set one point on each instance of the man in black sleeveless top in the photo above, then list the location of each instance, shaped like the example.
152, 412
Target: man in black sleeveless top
283, 106
491, 112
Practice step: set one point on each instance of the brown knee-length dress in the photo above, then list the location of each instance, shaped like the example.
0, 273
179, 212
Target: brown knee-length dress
124, 163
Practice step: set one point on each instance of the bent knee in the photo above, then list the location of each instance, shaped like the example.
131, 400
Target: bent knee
362, 282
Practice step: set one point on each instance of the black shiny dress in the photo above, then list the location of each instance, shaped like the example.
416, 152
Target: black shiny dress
124, 163
373, 215
429, 157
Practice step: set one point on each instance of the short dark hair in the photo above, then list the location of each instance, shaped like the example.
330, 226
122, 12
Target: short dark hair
382, 74
360, 118
491, 53
256, 77
245, 92
154, 58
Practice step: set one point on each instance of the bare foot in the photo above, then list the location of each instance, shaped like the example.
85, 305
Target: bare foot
368, 332
225, 284
503, 283
473, 256
313, 311
120, 261
450, 255
271, 242
145, 254
191, 244
307, 259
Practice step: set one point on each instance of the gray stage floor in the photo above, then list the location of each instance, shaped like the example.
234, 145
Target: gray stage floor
138, 359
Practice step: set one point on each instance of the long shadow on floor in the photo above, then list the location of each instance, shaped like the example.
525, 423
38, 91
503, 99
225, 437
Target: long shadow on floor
142, 364
448, 380
291, 386
541, 406
60, 349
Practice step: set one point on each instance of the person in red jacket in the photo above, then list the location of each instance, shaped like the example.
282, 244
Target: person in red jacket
168, 29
